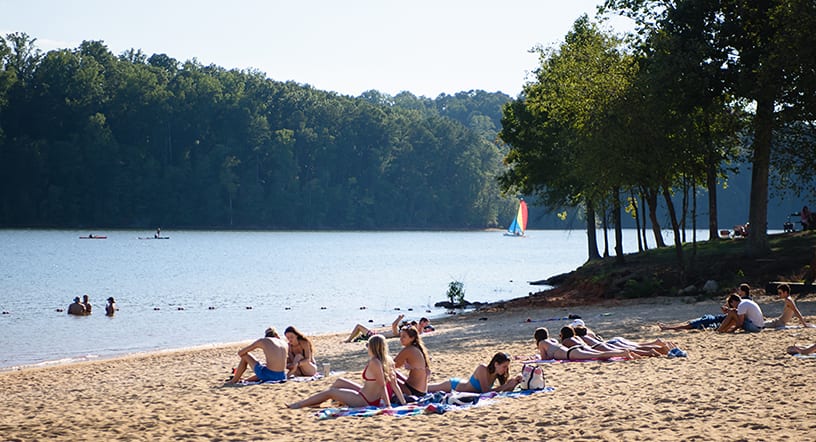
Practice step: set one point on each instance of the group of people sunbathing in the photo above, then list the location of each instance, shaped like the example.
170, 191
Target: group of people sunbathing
383, 384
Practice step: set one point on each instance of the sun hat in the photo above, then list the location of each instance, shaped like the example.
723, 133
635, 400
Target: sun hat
577, 323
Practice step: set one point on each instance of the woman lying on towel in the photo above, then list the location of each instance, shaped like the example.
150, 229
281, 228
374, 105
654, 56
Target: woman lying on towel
580, 335
379, 383
549, 348
483, 378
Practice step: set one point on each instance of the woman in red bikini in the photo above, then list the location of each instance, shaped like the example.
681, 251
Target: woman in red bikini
379, 383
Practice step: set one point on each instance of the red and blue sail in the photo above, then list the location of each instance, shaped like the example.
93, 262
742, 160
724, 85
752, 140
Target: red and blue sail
519, 224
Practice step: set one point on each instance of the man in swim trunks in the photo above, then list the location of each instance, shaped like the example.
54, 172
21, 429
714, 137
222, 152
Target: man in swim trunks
275, 349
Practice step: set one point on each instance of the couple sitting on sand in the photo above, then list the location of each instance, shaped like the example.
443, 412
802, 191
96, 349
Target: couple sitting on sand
741, 313
284, 359
382, 383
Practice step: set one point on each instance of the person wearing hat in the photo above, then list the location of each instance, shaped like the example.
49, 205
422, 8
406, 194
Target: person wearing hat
275, 349
76, 308
110, 309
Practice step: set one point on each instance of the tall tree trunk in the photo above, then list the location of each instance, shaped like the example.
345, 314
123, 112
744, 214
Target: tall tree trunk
711, 185
678, 244
651, 198
643, 217
637, 219
605, 224
616, 214
758, 214
592, 239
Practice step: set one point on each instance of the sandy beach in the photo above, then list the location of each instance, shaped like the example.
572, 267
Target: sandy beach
731, 387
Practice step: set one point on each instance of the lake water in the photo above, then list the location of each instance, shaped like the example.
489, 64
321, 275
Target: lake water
317, 281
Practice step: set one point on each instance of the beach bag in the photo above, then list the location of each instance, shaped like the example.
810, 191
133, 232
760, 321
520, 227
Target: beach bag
532, 377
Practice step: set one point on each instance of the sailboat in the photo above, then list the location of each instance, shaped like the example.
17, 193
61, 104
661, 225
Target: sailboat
519, 224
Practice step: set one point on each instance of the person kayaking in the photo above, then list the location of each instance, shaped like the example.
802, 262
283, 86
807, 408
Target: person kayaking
158, 233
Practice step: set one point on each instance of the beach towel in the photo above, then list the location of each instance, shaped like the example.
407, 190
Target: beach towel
801, 356
316, 377
555, 361
431, 403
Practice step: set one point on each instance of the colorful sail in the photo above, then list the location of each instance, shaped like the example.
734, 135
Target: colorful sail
519, 224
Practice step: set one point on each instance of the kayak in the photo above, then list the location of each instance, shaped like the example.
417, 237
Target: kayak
93, 237
154, 237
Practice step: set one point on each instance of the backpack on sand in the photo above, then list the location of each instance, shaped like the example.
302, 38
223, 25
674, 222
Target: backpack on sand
532, 377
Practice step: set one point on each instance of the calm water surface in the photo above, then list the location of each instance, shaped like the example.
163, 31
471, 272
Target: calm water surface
317, 281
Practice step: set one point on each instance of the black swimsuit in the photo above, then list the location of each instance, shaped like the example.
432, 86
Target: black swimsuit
569, 350
414, 391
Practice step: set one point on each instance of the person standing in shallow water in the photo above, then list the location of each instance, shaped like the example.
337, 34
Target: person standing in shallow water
87, 304
110, 309
76, 308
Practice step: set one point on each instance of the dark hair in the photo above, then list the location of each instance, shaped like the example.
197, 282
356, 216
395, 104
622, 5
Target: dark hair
498, 358
784, 287
734, 298
580, 330
541, 334
745, 288
567, 332
300, 336
424, 319
416, 341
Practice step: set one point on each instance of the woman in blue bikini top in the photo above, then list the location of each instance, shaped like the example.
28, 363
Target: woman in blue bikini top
483, 378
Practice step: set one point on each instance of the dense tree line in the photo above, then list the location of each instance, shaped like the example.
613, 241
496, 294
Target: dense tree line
614, 125
88, 138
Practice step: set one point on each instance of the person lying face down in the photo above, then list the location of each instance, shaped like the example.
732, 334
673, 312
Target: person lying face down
483, 378
549, 348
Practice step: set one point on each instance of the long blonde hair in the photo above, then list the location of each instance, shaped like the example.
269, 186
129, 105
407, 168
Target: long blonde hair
379, 348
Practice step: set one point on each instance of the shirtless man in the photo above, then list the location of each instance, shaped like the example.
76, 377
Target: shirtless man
275, 349
76, 308
790, 309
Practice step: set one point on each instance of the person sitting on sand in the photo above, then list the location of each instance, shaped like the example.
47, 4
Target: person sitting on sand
788, 312
110, 308
709, 320
361, 332
275, 350
379, 382
300, 357
414, 357
549, 348
76, 308
799, 350
742, 314
483, 378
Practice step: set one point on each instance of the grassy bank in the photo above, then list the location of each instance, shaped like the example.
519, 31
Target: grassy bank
657, 272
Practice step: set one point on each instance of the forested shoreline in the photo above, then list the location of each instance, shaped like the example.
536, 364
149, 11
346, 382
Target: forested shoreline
89, 138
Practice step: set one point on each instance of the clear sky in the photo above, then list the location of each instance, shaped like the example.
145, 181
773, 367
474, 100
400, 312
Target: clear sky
348, 46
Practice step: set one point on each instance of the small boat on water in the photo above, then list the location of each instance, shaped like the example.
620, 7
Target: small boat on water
154, 237
519, 224
93, 237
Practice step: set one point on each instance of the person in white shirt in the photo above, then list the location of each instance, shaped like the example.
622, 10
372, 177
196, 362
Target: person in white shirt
741, 314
